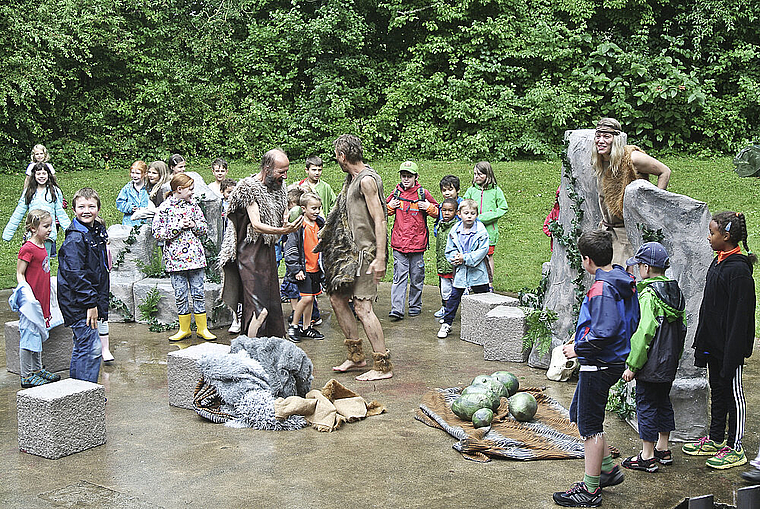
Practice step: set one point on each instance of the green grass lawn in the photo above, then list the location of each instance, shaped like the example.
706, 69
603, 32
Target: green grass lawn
528, 185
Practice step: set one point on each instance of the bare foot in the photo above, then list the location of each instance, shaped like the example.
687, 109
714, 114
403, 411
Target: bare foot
373, 374
350, 366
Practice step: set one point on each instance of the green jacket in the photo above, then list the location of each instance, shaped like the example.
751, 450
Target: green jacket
443, 265
662, 304
491, 206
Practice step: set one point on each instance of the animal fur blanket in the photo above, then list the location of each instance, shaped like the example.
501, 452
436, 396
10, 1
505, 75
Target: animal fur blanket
550, 435
239, 388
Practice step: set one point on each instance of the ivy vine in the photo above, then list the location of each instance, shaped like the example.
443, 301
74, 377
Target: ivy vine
117, 305
128, 242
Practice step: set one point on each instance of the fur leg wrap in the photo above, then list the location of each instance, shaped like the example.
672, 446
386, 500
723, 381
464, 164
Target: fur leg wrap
355, 352
382, 361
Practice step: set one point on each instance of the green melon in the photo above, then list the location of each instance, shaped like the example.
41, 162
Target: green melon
509, 380
523, 406
497, 387
495, 400
466, 405
294, 214
482, 418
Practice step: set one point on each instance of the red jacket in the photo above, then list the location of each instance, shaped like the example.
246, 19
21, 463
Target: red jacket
410, 230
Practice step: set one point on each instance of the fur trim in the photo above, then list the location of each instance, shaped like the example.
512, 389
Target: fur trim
614, 185
383, 362
355, 352
272, 206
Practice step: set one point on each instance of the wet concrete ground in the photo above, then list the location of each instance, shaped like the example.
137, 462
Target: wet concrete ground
161, 456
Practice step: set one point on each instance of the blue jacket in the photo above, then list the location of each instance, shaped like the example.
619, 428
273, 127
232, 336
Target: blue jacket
83, 279
40, 200
31, 322
473, 271
608, 318
129, 199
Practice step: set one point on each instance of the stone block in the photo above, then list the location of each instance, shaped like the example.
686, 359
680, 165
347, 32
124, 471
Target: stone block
183, 373
502, 333
218, 314
473, 310
123, 293
689, 397
129, 247
61, 418
56, 351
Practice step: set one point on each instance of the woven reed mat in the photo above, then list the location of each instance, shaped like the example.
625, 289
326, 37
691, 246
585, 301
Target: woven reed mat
550, 435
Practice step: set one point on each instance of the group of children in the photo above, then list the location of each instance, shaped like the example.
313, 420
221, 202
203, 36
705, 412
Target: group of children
637, 332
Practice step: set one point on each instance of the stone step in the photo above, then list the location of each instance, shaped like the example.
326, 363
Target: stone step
56, 351
474, 308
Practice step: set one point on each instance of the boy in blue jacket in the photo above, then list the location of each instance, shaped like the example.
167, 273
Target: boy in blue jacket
608, 317
83, 283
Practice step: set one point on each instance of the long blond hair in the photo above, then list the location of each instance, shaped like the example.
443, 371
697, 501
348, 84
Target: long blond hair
612, 126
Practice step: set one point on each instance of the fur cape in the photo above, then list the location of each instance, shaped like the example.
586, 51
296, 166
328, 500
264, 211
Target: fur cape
240, 388
613, 186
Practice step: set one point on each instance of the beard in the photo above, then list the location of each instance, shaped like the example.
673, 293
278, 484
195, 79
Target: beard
272, 183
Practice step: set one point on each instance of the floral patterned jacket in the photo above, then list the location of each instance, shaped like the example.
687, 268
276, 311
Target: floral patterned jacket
183, 249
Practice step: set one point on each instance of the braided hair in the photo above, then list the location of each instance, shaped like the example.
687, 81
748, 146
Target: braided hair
735, 224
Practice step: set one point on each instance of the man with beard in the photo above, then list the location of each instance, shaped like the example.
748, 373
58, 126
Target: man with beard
257, 213
354, 248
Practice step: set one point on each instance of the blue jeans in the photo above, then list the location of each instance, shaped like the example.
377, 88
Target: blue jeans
407, 266
189, 281
87, 352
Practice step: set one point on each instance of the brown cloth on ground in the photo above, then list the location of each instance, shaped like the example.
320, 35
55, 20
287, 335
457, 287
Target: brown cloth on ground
550, 435
328, 408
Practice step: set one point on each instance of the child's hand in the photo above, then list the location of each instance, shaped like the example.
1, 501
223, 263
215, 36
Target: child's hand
628, 375
300, 276
188, 223
569, 351
394, 203
423, 204
458, 259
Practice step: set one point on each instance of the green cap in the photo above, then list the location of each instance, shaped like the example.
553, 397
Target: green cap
409, 166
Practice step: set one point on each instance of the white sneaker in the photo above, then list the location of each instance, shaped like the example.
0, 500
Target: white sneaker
235, 327
440, 312
444, 330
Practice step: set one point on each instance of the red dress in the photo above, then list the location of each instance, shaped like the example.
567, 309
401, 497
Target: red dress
37, 273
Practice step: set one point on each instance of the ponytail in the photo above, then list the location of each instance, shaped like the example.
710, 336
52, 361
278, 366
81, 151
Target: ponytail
742, 237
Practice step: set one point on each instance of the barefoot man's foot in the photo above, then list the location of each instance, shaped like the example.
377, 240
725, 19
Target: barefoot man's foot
374, 374
349, 366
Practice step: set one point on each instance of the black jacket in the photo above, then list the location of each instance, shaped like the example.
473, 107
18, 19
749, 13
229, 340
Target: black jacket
726, 329
295, 258
83, 279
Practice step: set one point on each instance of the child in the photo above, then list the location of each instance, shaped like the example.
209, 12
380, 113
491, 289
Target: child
448, 219
33, 273
313, 184
466, 250
179, 224
158, 175
288, 289
42, 193
608, 317
491, 203
39, 155
84, 283
411, 204
724, 338
449, 189
553, 215
219, 169
656, 347
302, 264
177, 165
134, 195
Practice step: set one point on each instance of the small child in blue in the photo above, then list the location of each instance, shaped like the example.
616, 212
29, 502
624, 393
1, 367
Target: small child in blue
134, 195
466, 249
656, 347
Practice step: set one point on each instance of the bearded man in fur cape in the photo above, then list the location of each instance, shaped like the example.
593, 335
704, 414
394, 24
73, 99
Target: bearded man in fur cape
258, 217
617, 165
353, 244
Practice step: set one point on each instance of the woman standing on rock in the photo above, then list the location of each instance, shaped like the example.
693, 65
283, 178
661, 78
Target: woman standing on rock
617, 165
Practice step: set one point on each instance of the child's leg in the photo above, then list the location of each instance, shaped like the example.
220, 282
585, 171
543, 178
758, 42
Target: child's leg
663, 441
719, 392
196, 280
87, 352
490, 266
416, 282
647, 408
26, 362
446, 284
737, 411
303, 309
105, 340
181, 287
401, 263
36, 362
452, 305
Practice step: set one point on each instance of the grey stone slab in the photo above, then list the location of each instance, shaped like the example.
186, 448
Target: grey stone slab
217, 313
183, 373
689, 397
503, 330
473, 310
127, 251
61, 418
56, 351
122, 289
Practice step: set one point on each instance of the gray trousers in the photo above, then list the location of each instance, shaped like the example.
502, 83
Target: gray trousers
30, 362
407, 266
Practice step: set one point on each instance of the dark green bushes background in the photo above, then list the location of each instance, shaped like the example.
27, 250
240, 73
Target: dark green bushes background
116, 80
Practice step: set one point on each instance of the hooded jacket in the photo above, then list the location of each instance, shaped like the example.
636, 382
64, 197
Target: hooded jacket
410, 229
83, 280
608, 318
294, 254
726, 327
657, 344
491, 206
473, 271
443, 265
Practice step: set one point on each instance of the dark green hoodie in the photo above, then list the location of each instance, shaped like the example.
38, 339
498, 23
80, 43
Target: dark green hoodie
442, 264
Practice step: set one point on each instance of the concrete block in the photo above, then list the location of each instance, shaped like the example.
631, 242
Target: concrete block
61, 418
473, 310
183, 373
218, 314
128, 247
56, 351
502, 332
689, 397
122, 290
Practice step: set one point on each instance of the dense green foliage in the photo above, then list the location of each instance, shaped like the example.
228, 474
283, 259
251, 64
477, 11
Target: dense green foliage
117, 80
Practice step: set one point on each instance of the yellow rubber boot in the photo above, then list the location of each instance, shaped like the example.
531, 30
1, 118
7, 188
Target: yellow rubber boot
201, 327
184, 328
